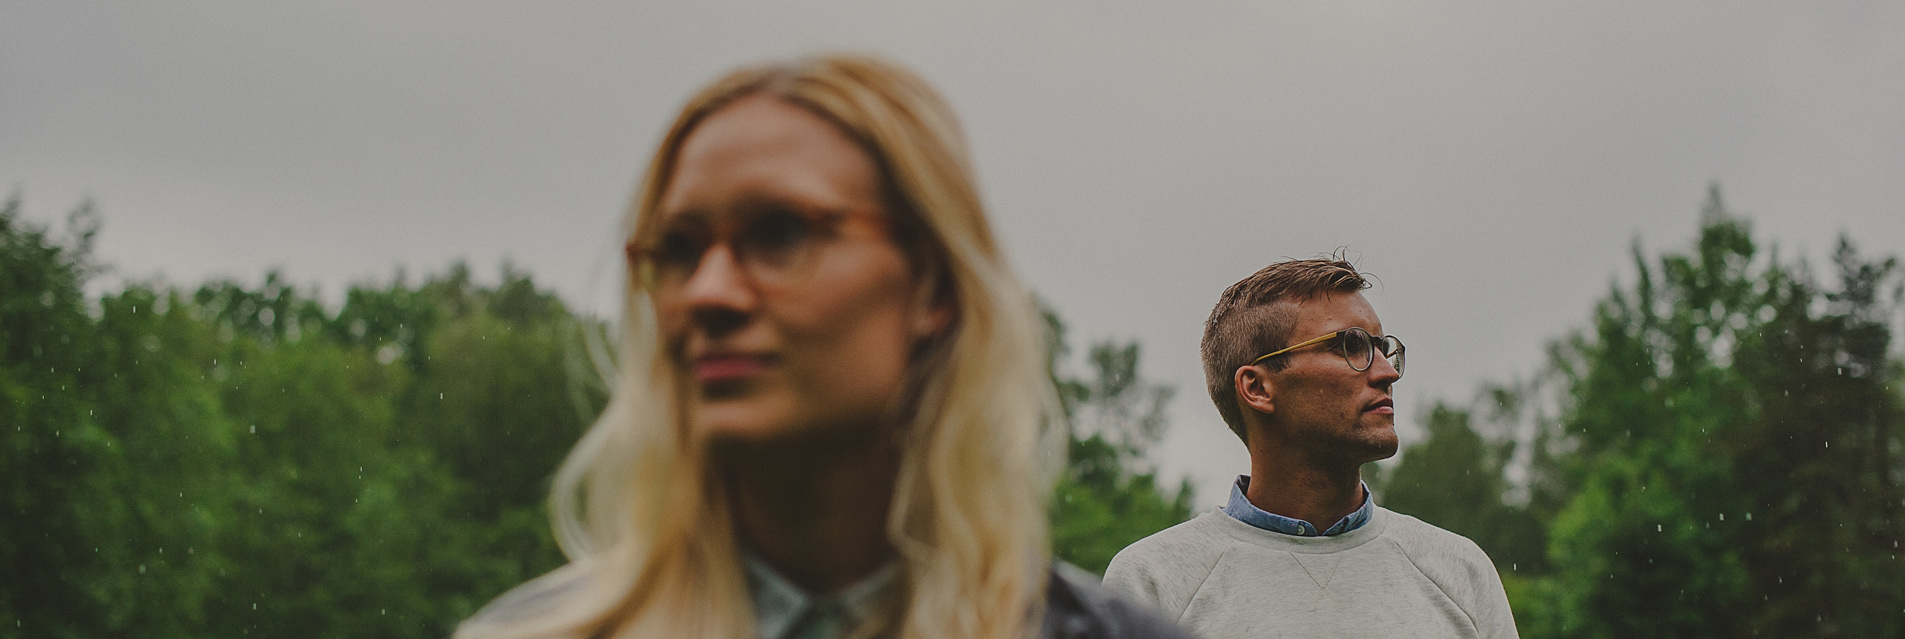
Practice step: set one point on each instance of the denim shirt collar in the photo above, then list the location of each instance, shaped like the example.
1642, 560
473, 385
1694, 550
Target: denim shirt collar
779, 605
1242, 510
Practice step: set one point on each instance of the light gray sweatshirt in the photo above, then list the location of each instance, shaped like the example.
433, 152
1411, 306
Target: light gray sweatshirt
1394, 577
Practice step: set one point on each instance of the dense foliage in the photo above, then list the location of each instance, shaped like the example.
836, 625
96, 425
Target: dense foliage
1716, 457
235, 460
1109, 494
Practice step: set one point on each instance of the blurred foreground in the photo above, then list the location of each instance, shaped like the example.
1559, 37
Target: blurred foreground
240, 461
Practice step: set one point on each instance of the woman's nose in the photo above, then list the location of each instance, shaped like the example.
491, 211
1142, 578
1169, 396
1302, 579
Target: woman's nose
719, 284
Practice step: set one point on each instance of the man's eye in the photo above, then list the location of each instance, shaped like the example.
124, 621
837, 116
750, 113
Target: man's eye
1355, 344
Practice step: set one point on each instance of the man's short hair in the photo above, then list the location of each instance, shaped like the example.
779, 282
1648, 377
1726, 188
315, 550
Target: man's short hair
1257, 314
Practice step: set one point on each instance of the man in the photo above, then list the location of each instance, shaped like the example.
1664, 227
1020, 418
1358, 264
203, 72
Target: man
1298, 364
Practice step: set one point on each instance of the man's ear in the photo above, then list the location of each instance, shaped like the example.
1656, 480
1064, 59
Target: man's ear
1255, 389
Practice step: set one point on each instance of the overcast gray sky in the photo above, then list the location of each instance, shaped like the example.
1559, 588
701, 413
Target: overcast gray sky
1491, 162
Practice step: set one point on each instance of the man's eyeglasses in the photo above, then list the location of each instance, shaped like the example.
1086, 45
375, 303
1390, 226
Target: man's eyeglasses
1359, 348
774, 245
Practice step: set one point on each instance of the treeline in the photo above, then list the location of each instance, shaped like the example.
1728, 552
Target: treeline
236, 460
1718, 455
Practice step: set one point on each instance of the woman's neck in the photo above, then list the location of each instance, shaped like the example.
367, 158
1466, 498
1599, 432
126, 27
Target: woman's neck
815, 510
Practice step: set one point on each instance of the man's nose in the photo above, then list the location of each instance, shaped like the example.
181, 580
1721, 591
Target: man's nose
1382, 372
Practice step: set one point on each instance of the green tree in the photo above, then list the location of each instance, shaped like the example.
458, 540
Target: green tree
241, 461
1108, 496
1642, 546
49, 441
1823, 547
1725, 455
1454, 479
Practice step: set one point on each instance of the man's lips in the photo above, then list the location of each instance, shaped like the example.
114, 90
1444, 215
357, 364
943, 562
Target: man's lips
726, 367
1382, 407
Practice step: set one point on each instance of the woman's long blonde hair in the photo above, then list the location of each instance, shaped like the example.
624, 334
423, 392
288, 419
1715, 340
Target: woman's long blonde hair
638, 506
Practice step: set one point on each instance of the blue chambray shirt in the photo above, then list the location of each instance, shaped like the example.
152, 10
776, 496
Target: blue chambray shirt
783, 611
1242, 510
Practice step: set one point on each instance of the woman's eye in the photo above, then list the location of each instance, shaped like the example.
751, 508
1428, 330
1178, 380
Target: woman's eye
678, 249
777, 235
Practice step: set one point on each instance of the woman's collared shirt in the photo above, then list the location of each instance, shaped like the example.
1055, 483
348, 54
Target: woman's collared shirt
783, 611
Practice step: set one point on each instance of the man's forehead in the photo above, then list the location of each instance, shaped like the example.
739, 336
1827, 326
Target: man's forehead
1335, 311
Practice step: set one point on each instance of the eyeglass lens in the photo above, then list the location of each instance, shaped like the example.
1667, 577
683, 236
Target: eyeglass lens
772, 246
1360, 349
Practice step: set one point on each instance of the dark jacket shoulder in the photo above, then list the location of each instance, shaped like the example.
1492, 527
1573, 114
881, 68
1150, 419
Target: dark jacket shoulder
1077, 606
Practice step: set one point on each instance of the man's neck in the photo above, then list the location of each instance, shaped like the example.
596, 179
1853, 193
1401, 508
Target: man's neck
816, 514
1300, 487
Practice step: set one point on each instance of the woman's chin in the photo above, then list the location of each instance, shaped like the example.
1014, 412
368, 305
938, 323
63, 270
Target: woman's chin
746, 419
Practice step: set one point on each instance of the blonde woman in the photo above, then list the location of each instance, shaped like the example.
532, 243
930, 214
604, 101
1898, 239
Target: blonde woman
832, 417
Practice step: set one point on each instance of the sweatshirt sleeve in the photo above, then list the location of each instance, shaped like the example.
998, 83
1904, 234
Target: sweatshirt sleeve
1165, 570
1133, 578
1463, 571
1493, 618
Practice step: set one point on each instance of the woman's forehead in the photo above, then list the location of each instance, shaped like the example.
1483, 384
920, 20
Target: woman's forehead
764, 148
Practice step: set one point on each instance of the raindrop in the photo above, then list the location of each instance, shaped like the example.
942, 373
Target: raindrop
1749, 516
254, 429
1658, 528
142, 569
1722, 516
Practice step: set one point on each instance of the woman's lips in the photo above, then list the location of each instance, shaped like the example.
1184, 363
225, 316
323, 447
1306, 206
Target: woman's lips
715, 369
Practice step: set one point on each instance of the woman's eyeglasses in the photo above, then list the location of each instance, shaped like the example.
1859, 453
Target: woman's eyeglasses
1358, 347
775, 246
